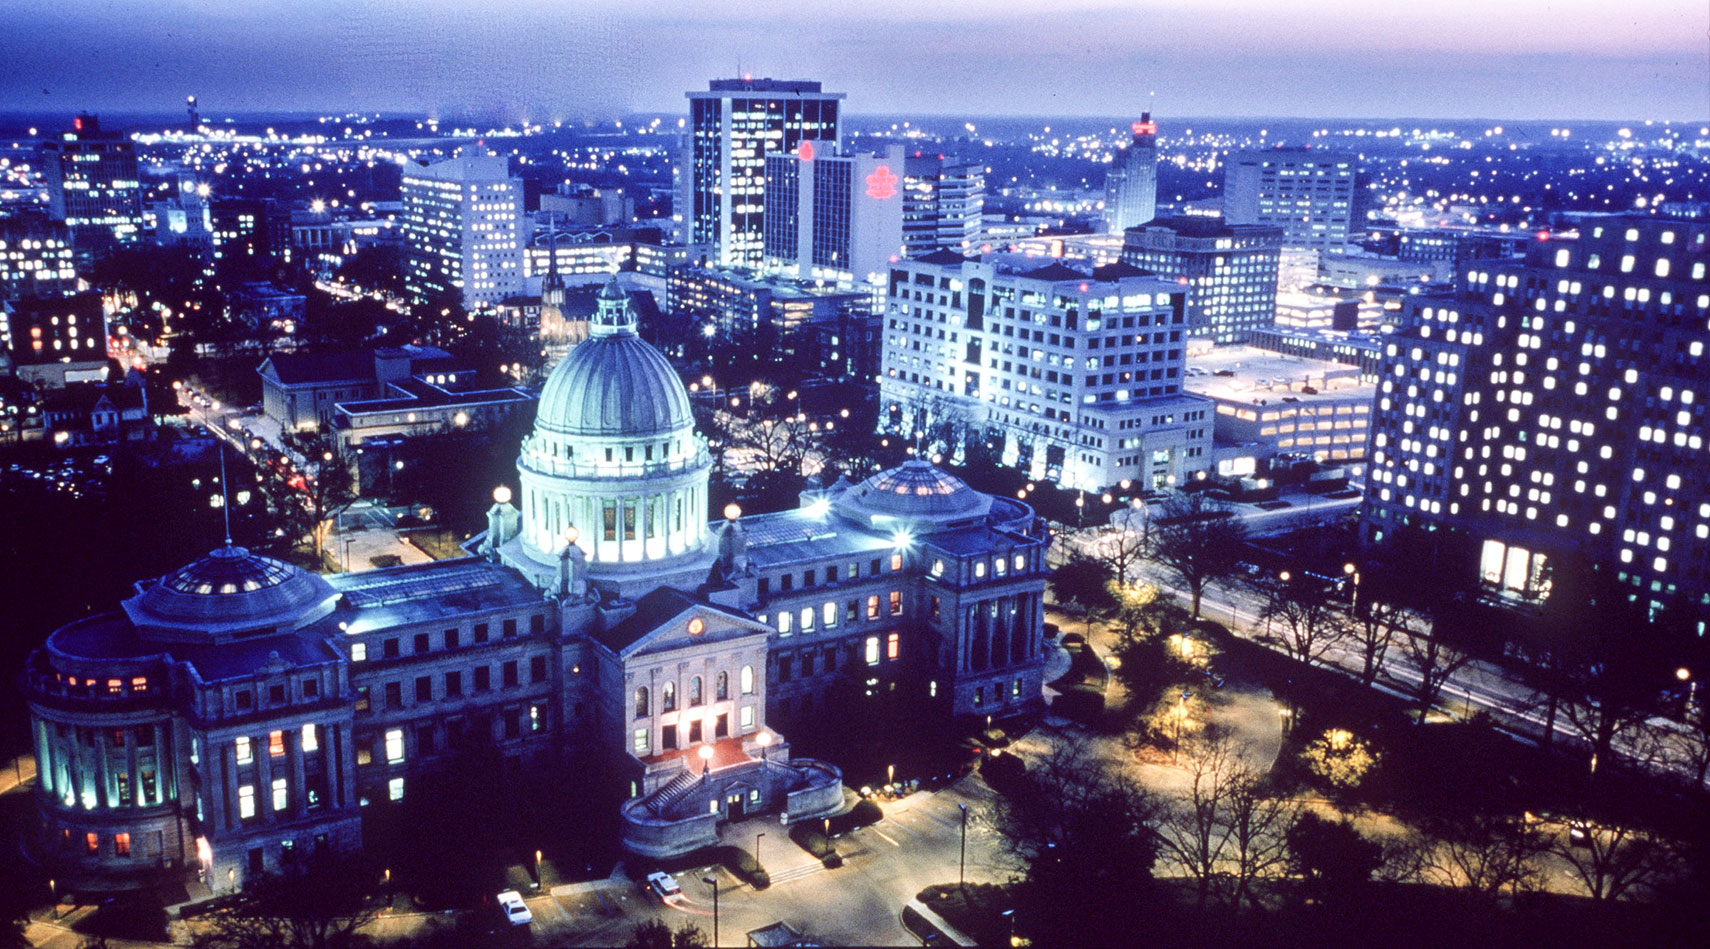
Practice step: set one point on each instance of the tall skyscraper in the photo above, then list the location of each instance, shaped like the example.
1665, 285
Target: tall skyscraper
93, 184
1308, 192
1230, 270
464, 230
733, 126
831, 217
1131, 185
943, 199
1554, 405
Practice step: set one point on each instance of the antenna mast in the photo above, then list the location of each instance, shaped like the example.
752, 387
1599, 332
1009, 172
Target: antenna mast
225, 492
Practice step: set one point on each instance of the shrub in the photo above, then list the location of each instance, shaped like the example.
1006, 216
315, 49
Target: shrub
742, 864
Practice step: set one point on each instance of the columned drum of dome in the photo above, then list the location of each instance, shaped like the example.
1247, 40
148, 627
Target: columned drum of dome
614, 453
916, 496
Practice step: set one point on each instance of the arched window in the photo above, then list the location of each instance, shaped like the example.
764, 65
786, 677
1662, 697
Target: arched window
747, 680
695, 696
723, 686
668, 697
641, 702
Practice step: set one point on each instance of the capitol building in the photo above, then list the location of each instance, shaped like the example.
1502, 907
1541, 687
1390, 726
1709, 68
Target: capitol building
239, 712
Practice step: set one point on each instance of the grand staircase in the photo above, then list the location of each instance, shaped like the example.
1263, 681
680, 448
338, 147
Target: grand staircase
660, 802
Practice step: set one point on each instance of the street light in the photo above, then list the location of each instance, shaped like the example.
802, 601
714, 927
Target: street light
962, 860
1354, 597
1685, 675
714, 881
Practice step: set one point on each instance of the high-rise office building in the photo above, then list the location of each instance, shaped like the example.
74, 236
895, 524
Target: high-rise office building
35, 258
1230, 270
1072, 376
832, 217
93, 185
1131, 185
464, 230
1554, 405
943, 199
1308, 192
721, 180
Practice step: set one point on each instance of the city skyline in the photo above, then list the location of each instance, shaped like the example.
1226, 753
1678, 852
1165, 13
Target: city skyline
544, 61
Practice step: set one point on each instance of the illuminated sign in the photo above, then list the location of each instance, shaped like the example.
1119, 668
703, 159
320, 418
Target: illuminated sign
805, 153
882, 183
1145, 128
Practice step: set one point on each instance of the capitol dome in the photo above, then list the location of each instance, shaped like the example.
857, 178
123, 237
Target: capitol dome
916, 493
230, 592
614, 460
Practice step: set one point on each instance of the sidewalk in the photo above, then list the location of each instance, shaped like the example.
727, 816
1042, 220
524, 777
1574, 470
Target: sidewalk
17, 773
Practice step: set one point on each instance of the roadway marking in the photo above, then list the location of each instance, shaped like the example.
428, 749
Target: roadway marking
887, 838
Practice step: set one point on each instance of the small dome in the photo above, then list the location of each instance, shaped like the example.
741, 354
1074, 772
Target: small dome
614, 386
230, 591
915, 492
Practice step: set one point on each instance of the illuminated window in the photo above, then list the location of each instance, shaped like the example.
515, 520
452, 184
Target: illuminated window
1020, 562
638, 741
395, 789
275, 744
896, 562
891, 646
311, 738
280, 797
246, 802
668, 697
807, 619
829, 614
122, 845
746, 717
394, 745
244, 755
980, 569
139, 684
93, 842
873, 607
872, 650
747, 681
896, 602
786, 620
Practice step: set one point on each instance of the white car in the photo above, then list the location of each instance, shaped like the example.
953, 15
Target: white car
515, 910
663, 885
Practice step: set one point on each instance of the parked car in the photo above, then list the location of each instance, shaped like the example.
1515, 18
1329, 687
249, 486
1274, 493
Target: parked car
516, 911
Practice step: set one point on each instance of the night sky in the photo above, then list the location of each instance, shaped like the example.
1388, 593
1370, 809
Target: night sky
561, 59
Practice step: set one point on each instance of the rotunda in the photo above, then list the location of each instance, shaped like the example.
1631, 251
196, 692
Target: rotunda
614, 460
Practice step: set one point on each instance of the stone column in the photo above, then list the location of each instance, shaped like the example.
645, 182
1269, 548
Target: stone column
45, 761
264, 779
132, 778
344, 764
103, 779
299, 791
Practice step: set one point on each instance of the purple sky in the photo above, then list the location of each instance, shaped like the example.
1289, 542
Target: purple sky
1514, 59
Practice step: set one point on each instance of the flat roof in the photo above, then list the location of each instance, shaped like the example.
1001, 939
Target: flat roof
1280, 373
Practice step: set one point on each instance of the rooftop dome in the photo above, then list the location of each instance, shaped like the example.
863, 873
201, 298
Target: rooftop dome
229, 592
915, 492
614, 385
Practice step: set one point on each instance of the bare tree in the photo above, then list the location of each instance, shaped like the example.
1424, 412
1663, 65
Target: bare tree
1200, 540
1612, 860
1485, 855
1226, 825
1307, 625
1436, 662
321, 905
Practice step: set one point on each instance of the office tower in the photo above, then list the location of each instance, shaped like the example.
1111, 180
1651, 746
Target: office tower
1230, 270
1308, 192
464, 231
943, 199
833, 217
1131, 185
1554, 405
1069, 375
250, 235
53, 340
733, 126
93, 185
35, 258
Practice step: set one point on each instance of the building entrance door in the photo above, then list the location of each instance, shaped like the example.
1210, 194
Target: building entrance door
733, 807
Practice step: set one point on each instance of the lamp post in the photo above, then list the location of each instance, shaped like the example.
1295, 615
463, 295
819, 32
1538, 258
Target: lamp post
1685, 675
962, 859
826, 822
757, 847
714, 882
537, 876
1353, 598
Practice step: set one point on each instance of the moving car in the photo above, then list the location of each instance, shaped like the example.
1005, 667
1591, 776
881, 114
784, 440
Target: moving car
515, 910
663, 885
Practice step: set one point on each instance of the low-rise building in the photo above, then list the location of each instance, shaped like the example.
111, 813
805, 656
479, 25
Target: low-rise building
301, 391
1286, 405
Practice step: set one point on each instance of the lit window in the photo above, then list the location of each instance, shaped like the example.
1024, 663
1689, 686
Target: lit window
872, 650
891, 646
747, 680
873, 607
980, 569
280, 798
122, 845
275, 744
394, 745
807, 619
358, 652
638, 741
896, 602
246, 801
829, 614
395, 789
244, 755
896, 562
92, 842
311, 738
746, 717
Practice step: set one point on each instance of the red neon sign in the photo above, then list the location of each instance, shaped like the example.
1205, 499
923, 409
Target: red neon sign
805, 152
882, 183
1145, 128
